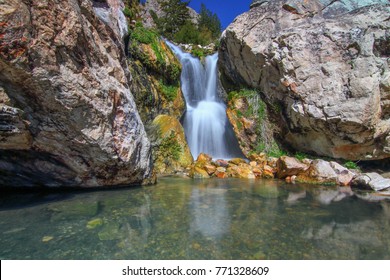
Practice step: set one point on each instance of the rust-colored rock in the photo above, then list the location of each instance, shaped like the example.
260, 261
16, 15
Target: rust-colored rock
237, 161
204, 158
289, 166
210, 169
268, 172
221, 173
198, 173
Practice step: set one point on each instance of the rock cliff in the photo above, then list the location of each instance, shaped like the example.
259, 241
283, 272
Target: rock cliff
323, 70
67, 116
160, 102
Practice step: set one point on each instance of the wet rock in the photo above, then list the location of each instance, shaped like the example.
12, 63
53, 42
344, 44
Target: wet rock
94, 223
197, 172
237, 161
221, 173
272, 162
110, 231
47, 238
204, 158
221, 163
210, 169
372, 181
257, 171
289, 166
268, 172
259, 158
73, 210
242, 171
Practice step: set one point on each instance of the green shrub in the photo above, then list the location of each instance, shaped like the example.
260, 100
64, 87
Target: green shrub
173, 73
144, 35
170, 147
301, 156
198, 52
128, 13
351, 165
169, 91
276, 151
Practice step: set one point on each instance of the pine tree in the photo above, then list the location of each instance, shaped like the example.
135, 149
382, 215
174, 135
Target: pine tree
175, 17
209, 20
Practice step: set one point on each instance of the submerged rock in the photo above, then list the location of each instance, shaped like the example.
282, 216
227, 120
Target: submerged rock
323, 72
94, 223
70, 118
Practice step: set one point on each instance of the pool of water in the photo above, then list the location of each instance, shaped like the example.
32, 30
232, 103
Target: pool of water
197, 219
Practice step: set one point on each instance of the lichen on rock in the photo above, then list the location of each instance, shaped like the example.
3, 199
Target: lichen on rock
170, 152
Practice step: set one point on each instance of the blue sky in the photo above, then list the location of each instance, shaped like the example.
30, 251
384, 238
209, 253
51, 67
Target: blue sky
227, 10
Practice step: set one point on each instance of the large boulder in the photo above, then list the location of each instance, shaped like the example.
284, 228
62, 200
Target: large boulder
67, 115
322, 69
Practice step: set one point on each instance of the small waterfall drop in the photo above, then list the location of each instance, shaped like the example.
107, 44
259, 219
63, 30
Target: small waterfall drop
205, 122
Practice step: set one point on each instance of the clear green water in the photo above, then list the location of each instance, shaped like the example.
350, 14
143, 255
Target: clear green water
187, 219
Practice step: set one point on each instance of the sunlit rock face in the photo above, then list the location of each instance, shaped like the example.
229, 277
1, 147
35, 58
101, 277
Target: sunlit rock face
323, 69
67, 115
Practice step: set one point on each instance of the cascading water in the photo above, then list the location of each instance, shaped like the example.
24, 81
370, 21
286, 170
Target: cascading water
205, 122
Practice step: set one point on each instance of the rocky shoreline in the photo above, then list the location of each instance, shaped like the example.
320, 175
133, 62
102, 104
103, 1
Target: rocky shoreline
290, 169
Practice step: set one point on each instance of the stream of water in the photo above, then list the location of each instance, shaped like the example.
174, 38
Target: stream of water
205, 122
197, 219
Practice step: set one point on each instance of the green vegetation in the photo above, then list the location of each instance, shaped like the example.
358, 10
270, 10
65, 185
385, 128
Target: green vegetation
255, 109
198, 52
301, 156
143, 35
176, 15
171, 147
209, 21
169, 91
131, 10
351, 165
176, 23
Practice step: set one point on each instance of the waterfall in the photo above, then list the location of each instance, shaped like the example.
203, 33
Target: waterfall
205, 122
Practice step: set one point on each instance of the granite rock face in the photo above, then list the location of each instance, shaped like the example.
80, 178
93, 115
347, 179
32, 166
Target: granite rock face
67, 116
323, 71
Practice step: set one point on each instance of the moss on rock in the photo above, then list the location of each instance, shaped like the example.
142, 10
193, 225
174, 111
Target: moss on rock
171, 152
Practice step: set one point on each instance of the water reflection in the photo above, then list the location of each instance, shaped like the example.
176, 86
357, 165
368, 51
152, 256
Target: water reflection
209, 213
205, 219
